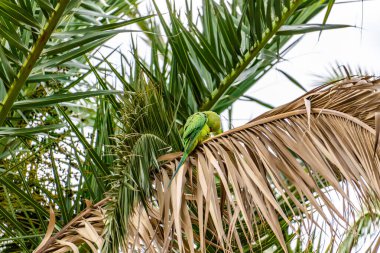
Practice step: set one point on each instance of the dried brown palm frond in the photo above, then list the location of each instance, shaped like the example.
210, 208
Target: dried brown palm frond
272, 173
86, 228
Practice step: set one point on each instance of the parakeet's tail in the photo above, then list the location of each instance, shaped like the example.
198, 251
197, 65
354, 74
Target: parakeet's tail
183, 159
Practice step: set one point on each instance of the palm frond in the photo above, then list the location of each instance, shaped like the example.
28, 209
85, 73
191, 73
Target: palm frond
249, 178
44, 83
148, 132
218, 54
362, 235
69, 32
337, 71
85, 228
32, 58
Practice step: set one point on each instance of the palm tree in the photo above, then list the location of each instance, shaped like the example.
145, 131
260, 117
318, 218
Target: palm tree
253, 188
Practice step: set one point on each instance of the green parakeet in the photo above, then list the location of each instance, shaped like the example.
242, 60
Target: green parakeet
197, 129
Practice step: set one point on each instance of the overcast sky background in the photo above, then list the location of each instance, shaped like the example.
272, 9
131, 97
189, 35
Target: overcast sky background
357, 46
349, 46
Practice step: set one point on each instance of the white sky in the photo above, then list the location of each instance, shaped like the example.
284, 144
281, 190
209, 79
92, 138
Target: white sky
348, 46
351, 46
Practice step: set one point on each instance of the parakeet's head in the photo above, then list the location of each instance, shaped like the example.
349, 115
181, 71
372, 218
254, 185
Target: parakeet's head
213, 121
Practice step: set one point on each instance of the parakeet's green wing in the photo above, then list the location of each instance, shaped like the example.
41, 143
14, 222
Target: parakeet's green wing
193, 126
192, 130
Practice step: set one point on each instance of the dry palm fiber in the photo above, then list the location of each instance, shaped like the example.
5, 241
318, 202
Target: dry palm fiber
275, 167
269, 175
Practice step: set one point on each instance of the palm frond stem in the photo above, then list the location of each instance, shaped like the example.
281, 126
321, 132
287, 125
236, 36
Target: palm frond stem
31, 60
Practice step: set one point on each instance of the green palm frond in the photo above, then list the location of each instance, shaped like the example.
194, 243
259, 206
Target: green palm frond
363, 234
149, 131
53, 147
219, 53
53, 46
